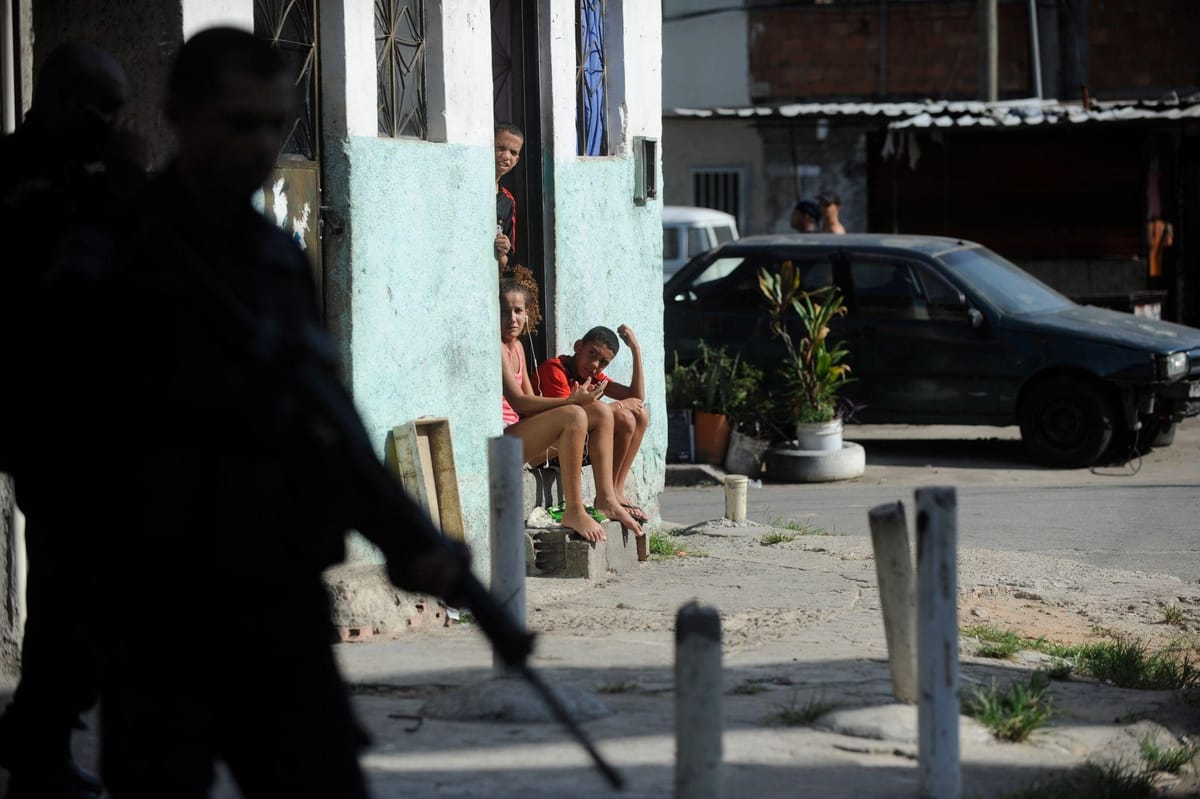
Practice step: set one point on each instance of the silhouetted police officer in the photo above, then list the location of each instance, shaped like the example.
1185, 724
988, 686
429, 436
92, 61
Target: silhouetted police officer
225, 490
63, 165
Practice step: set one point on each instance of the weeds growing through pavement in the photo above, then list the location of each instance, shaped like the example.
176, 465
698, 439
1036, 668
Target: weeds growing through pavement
794, 714
618, 687
1124, 662
1094, 781
1013, 713
799, 528
1128, 663
665, 545
1000, 644
1059, 669
776, 537
1172, 615
1170, 759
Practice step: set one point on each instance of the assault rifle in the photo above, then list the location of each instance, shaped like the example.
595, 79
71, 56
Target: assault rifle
309, 377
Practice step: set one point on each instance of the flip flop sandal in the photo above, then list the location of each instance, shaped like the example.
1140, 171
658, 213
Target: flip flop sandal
637, 513
556, 513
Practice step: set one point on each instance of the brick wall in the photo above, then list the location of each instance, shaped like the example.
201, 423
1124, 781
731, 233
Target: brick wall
832, 51
1150, 44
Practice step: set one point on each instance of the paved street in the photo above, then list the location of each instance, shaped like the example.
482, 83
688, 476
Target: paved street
1109, 517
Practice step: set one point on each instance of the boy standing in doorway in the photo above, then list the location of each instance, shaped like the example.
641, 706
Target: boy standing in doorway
625, 419
509, 141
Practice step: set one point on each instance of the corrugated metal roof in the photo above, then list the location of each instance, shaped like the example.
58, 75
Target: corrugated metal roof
964, 113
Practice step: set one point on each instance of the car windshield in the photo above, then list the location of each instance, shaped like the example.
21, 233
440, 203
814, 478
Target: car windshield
1009, 287
719, 268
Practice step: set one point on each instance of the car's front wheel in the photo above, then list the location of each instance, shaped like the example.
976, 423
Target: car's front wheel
1066, 422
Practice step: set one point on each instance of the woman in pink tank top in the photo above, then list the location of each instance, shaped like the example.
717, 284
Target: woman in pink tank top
546, 427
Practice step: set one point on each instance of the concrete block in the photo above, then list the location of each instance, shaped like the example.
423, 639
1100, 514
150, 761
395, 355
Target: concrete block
620, 550
559, 553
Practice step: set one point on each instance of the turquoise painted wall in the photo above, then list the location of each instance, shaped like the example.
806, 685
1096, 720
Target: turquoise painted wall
411, 299
608, 267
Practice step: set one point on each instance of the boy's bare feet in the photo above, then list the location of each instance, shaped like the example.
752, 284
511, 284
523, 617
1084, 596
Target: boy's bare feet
637, 513
614, 510
580, 521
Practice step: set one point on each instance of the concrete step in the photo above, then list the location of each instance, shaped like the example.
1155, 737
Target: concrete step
543, 487
558, 552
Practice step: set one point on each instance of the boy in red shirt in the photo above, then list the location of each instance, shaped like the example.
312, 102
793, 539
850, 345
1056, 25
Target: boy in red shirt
625, 419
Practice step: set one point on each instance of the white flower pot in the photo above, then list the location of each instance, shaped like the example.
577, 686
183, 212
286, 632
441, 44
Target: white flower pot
826, 436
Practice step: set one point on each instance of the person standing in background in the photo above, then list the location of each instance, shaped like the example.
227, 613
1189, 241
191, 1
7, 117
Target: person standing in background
830, 202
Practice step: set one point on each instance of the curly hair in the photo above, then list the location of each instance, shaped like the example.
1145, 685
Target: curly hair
520, 278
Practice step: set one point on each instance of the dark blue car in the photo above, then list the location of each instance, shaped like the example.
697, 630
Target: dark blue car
945, 331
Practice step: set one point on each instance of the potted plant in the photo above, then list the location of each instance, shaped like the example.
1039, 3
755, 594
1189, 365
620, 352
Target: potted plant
719, 390
748, 409
813, 367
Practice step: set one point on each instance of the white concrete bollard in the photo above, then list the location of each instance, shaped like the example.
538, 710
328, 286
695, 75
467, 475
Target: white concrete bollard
735, 497
937, 644
507, 529
697, 703
897, 595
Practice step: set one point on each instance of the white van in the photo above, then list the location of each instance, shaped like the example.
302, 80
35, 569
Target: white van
689, 231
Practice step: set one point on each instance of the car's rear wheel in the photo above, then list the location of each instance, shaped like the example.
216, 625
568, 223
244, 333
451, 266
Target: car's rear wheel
1066, 422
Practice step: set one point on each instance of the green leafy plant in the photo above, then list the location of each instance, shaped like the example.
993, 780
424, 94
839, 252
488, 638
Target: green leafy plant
814, 368
1170, 759
717, 382
793, 713
776, 537
1012, 713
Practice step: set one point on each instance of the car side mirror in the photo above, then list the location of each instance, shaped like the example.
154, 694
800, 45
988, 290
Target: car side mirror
975, 317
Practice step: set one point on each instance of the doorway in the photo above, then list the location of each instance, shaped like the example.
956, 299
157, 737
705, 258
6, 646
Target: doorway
517, 100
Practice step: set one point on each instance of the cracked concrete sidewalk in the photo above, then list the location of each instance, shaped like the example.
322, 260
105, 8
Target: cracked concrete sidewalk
801, 624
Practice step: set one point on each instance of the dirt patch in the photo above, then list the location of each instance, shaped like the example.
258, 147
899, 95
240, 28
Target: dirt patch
1027, 615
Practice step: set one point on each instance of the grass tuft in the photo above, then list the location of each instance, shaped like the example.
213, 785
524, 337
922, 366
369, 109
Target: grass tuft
995, 643
1012, 714
1170, 759
776, 537
1094, 781
799, 528
1172, 615
618, 687
794, 714
1128, 663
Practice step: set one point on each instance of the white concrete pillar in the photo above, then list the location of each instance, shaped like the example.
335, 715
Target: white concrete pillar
735, 497
349, 86
897, 595
697, 703
940, 770
507, 530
